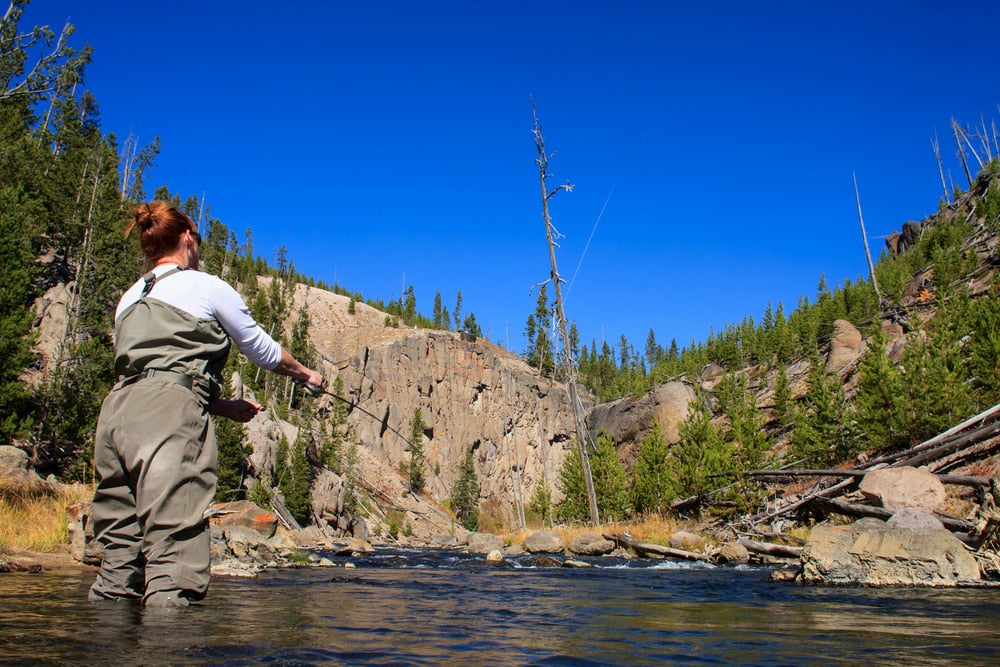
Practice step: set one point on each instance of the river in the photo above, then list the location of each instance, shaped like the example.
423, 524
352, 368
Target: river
431, 608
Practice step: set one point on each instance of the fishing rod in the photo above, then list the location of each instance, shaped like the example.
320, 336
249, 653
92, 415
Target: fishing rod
316, 390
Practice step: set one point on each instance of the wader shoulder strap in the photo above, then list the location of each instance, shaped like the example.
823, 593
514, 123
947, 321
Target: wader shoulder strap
151, 279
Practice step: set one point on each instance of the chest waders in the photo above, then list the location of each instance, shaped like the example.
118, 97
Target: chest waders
155, 454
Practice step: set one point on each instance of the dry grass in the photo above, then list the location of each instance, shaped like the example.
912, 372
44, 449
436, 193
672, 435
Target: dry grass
33, 516
654, 529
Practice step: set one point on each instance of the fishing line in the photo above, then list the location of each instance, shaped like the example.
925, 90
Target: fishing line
317, 391
593, 231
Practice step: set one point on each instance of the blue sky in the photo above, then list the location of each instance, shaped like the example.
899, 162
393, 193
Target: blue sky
386, 144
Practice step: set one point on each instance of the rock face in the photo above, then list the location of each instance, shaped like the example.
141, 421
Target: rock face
630, 419
473, 396
904, 488
846, 345
873, 553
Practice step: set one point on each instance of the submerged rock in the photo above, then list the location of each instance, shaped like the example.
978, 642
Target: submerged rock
873, 553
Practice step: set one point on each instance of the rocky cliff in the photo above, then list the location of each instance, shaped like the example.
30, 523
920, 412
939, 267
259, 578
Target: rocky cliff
472, 395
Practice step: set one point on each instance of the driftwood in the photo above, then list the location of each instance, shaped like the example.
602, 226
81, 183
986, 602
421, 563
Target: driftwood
768, 549
646, 547
961, 480
859, 510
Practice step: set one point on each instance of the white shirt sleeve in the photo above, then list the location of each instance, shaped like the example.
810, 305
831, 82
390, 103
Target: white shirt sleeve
205, 296
234, 316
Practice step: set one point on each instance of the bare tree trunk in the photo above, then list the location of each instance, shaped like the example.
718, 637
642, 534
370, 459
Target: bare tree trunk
937, 156
513, 456
961, 150
864, 237
582, 436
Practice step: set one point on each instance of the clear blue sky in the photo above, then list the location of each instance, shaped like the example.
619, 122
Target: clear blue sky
389, 143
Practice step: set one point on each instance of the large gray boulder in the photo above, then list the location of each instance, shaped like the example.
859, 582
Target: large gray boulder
483, 543
14, 467
873, 553
904, 488
545, 542
591, 544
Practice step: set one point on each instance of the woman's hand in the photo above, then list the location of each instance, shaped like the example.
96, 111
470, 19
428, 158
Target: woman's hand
239, 410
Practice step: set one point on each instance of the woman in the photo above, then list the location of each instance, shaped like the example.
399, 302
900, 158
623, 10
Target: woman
155, 450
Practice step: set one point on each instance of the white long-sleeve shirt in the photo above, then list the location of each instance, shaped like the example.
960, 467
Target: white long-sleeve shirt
207, 297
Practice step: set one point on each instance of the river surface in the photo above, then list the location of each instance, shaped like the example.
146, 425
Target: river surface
441, 608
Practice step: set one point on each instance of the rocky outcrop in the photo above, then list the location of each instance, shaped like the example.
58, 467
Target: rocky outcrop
872, 553
473, 396
846, 345
628, 419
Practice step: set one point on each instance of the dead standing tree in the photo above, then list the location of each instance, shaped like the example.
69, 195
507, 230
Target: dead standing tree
569, 364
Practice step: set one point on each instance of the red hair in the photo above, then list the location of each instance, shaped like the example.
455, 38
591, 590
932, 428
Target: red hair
160, 228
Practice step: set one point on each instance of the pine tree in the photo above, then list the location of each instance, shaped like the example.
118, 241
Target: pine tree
880, 400
232, 468
700, 454
574, 506
540, 503
415, 468
297, 492
465, 494
18, 227
651, 488
824, 425
782, 399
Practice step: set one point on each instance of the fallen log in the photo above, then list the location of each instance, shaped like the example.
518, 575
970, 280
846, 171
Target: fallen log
659, 550
843, 484
768, 549
960, 480
860, 511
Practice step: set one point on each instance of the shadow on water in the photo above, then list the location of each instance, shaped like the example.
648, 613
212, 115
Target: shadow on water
427, 607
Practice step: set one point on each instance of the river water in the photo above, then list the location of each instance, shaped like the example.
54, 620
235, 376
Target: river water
434, 608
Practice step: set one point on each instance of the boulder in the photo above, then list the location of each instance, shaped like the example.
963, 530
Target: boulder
545, 542
14, 467
246, 514
903, 488
543, 561
591, 544
483, 543
442, 541
686, 540
733, 553
494, 557
915, 519
846, 345
873, 553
